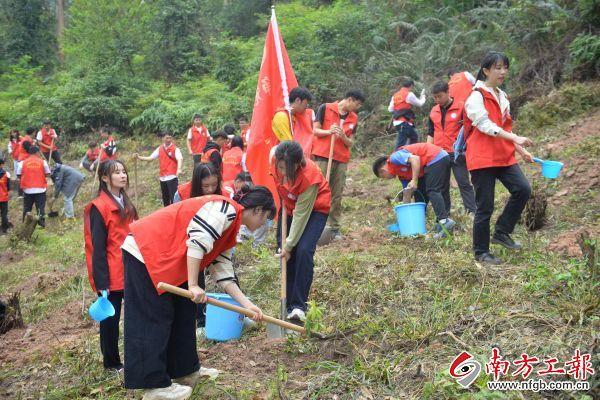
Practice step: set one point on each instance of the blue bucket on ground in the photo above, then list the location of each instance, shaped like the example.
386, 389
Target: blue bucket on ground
101, 308
223, 325
410, 218
550, 169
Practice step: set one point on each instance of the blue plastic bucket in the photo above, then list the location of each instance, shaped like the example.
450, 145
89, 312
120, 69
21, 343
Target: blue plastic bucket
223, 325
550, 169
411, 219
101, 308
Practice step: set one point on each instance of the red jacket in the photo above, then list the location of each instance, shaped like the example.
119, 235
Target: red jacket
459, 87
305, 177
33, 174
321, 145
48, 138
4, 187
484, 151
167, 162
446, 136
117, 229
199, 139
161, 238
232, 163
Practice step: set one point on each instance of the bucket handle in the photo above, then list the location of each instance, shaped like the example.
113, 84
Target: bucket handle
538, 160
415, 191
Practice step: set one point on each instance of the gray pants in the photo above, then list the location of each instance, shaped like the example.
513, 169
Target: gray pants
461, 174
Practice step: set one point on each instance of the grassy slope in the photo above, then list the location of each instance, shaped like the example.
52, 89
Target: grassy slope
417, 303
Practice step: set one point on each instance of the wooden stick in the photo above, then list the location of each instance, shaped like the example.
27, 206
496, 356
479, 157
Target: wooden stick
244, 311
135, 180
330, 160
96, 172
283, 264
51, 149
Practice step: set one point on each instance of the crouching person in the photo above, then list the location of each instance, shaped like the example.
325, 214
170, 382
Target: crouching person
67, 180
174, 245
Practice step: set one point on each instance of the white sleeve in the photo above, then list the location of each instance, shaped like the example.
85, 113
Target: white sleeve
189, 134
221, 269
19, 168
46, 168
470, 77
477, 113
391, 106
244, 168
413, 100
154, 154
39, 136
178, 155
7, 174
9, 147
207, 226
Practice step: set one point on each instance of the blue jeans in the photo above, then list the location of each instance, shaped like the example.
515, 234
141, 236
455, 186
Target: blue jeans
301, 264
406, 135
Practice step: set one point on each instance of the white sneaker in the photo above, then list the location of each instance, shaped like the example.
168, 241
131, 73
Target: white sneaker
192, 379
173, 392
201, 333
297, 314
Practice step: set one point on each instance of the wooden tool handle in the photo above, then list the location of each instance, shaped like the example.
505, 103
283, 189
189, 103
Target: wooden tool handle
330, 160
186, 293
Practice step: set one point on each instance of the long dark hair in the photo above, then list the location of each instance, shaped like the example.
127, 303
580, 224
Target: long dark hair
257, 196
201, 171
489, 61
107, 168
291, 153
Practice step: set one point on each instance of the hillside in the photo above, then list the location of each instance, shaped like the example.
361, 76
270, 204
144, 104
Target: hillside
415, 303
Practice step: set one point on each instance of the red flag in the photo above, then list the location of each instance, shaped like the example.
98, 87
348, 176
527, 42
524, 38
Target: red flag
275, 80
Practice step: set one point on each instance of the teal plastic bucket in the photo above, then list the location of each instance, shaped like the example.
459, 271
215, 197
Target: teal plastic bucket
411, 219
101, 308
550, 169
223, 325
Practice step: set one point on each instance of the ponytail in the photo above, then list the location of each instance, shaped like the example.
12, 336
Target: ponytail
257, 196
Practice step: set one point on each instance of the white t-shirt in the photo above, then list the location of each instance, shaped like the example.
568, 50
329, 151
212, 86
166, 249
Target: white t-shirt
178, 157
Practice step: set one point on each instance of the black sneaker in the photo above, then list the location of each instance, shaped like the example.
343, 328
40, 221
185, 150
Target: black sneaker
488, 259
506, 241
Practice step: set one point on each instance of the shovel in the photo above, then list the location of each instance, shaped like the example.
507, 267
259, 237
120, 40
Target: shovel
244, 311
52, 213
331, 147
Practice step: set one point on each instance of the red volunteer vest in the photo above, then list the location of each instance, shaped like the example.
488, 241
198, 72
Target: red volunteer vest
32, 173
446, 136
425, 151
117, 229
185, 190
228, 188
400, 103
484, 151
305, 177
4, 187
16, 148
232, 163
47, 137
167, 163
459, 87
199, 139
104, 156
22, 153
92, 155
206, 156
320, 145
161, 238
243, 134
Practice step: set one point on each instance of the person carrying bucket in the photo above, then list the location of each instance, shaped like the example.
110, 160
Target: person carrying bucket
430, 162
490, 156
174, 245
334, 128
106, 222
445, 122
306, 196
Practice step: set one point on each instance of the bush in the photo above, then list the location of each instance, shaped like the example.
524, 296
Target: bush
585, 55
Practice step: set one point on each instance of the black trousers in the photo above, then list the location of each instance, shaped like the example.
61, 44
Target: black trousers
109, 333
55, 156
437, 182
406, 134
39, 199
4, 215
461, 174
168, 189
160, 331
484, 181
301, 263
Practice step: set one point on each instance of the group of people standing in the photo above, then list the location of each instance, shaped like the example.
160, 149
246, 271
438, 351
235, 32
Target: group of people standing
470, 133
